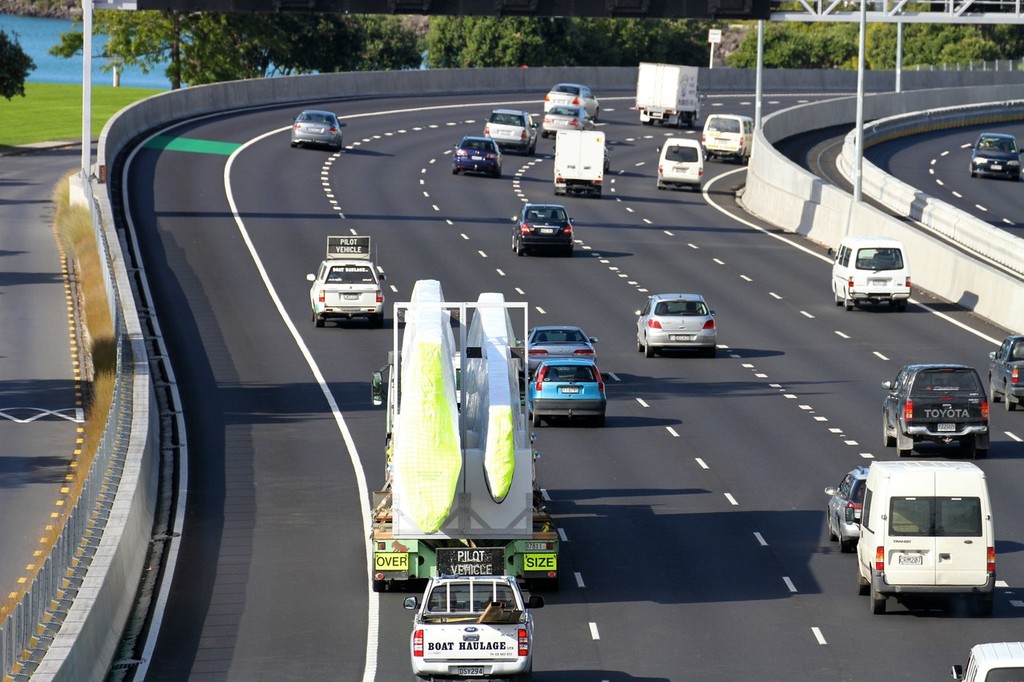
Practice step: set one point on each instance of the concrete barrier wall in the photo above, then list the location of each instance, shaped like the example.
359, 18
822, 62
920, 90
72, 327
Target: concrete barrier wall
776, 189
788, 196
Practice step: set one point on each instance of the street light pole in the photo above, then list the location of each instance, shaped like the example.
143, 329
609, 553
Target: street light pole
860, 102
86, 90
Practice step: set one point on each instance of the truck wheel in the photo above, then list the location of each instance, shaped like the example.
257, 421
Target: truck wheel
648, 349
543, 584
992, 390
535, 420
877, 601
378, 321
890, 441
847, 545
1009, 402
832, 535
318, 321
983, 605
847, 301
904, 444
862, 585
379, 585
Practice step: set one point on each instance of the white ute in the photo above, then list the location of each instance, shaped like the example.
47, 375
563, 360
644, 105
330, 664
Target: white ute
473, 626
347, 283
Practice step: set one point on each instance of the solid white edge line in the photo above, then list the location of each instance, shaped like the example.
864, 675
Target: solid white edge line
373, 609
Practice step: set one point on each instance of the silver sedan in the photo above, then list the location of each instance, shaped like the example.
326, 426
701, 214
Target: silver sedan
566, 118
676, 321
557, 342
317, 127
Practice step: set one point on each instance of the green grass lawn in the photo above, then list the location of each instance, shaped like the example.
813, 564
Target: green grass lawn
53, 111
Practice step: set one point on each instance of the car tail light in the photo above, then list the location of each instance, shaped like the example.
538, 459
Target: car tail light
575, 123
320, 296
908, 409
583, 351
880, 558
600, 381
380, 296
710, 324
661, 170
461, 152
491, 155
908, 281
417, 644
576, 100
524, 228
547, 97
524, 642
538, 351
653, 323
984, 409
524, 137
990, 560
540, 378
741, 142
487, 130
703, 138
567, 229
1014, 376
849, 284
333, 129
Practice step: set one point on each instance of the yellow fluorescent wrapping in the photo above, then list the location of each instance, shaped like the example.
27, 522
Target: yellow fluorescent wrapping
427, 457
500, 453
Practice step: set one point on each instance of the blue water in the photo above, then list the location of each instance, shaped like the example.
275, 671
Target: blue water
37, 35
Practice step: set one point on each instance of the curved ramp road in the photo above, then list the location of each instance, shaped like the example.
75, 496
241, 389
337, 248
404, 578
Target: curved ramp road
693, 521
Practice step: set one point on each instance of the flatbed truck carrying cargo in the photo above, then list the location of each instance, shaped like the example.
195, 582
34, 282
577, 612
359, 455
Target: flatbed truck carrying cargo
667, 93
459, 496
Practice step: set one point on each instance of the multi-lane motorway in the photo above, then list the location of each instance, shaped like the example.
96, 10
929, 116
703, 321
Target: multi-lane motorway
695, 543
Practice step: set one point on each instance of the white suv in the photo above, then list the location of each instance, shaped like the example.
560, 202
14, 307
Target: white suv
512, 130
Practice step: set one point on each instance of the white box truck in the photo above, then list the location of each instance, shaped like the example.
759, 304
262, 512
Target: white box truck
579, 162
667, 93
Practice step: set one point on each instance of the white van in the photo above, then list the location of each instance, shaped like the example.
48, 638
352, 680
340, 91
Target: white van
870, 270
681, 164
926, 528
1004, 660
728, 136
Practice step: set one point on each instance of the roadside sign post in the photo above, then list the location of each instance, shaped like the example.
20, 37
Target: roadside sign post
714, 37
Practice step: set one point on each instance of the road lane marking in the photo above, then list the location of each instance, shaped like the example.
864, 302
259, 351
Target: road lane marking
701, 462
789, 583
732, 500
760, 539
818, 636
593, 631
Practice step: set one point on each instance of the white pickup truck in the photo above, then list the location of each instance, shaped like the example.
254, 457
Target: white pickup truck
473, 626
347, 283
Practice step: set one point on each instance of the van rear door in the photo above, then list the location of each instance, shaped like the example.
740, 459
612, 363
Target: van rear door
961, 520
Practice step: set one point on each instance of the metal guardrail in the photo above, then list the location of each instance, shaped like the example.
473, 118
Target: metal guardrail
33, 622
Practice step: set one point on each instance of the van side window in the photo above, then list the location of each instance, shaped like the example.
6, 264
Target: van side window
865, 517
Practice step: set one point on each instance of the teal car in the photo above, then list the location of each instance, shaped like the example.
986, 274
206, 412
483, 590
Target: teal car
566, 389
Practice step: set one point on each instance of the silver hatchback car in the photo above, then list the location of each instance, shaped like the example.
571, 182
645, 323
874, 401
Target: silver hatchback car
845, 503
676, 321
317, 127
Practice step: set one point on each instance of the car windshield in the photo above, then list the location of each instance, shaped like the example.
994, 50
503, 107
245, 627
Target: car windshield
946, 381
350, 274
560, 336
680, 308
569, 373
997, 144
681, 153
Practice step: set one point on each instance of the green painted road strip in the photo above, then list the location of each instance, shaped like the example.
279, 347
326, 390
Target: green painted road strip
188, 144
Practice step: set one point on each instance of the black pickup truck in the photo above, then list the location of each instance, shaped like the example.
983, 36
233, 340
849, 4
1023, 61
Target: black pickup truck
938, 403
1006, 372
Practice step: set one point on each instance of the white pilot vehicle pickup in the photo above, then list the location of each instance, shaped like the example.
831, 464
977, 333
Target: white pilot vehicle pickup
473, 626
347, 283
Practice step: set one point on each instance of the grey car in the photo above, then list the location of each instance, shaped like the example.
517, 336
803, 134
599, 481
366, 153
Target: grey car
995, 154
557, 342
573, 94
315, 127
845, 502
676, 321
565, 117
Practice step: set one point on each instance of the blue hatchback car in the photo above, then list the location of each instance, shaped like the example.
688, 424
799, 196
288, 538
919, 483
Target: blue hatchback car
568, 388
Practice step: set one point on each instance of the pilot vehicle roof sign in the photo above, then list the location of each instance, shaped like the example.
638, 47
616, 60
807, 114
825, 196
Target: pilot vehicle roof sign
350, 247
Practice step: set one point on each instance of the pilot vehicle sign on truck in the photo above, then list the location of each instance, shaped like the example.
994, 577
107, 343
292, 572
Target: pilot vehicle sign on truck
347, 284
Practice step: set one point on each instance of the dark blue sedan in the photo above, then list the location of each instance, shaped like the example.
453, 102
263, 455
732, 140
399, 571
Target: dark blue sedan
996, 154
477, 155
568, 389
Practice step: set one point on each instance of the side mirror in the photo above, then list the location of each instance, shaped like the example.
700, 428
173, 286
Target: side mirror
887, 385
311, 277
957, 672
992, 355
637, 313
410, 604
377, 388
341, 124
830, 491
535, 602
593, 339
831, 252
382, 276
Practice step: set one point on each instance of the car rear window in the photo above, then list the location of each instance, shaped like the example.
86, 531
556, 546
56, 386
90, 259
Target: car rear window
935, 516
888, 258
467, 597
507, 119
567, 89
350, 274
946, 382
724, 125
680, 308
569, 373
681, 153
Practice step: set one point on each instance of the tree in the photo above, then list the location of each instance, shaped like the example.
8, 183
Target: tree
15, 66
789, 45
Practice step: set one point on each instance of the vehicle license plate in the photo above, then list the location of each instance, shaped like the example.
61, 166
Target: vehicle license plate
477, 157
351, 297
471, 670
570, 389
996, 166
911, 560
680, 337
317, 130
680, 168
947, 427
878, 282
547, 230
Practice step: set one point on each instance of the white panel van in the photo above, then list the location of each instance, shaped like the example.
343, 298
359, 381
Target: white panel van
681, 164
993, 662
728, 136
870, 270
926, 528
